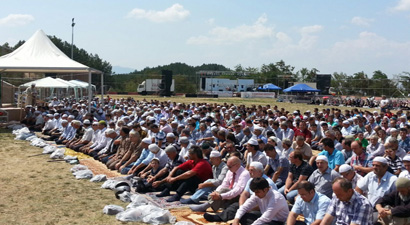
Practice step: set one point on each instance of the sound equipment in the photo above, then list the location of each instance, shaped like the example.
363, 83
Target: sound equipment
166, 82
323, 83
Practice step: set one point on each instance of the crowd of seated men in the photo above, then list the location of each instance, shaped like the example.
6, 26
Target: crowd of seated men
250, 164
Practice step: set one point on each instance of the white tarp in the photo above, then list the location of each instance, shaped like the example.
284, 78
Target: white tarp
39, 54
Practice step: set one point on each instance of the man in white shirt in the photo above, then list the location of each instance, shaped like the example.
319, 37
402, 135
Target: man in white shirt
273, 208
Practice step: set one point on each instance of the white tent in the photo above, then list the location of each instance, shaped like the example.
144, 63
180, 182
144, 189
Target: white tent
47, 82
39, 55
50, 87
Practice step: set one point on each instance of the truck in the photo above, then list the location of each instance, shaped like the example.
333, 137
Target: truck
152, 86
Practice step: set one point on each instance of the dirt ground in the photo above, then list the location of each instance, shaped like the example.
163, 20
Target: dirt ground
34, 191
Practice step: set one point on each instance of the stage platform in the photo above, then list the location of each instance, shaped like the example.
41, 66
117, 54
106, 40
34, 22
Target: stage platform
13, 114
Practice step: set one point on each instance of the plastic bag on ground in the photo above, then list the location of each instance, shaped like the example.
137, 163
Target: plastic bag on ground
124, 196
137, 200
49, 149
20, 131
16, 126
112, 209
99, 178
31, 137
130, 215
109, 184
38, 142
57, 154
83, 174
68, 158
158, 216
184, 223
78, 168
24, 136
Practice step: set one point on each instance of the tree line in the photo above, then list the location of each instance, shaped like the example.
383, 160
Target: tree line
278, 73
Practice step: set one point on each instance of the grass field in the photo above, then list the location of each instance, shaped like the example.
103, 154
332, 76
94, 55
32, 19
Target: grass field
237, 101
34, 191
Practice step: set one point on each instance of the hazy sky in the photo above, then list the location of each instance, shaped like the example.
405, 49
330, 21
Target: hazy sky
330, 35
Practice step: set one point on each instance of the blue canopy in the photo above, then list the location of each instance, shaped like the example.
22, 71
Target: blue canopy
301, 88
269, 87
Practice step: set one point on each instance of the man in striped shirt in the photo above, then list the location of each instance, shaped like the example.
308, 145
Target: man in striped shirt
347, 206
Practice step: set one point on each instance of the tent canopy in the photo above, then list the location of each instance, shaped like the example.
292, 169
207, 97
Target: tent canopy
39, 54
80, 83
301, 88
269, 87
47, 82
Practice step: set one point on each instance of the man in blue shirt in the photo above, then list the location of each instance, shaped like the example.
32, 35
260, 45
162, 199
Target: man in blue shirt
334, 156
310, 204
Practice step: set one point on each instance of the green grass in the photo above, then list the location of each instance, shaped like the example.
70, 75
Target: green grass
34, 191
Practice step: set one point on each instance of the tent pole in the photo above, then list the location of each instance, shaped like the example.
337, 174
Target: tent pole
102, 89
89, 91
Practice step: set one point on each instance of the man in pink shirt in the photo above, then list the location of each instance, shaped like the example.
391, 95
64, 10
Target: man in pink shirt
230, 189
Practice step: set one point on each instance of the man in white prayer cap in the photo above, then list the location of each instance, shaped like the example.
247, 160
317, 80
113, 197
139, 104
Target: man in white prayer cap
377, 183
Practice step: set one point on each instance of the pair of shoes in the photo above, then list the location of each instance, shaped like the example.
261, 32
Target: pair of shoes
174, 198
164, 193
188, 201
212, 218
200, 208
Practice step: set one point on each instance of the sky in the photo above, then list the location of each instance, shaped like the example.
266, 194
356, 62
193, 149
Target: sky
331, 36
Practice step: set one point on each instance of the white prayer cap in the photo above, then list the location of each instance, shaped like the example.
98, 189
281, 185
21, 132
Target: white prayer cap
322, 157
252, 141
344, 168
215, 154
171, 135
170, 148
406, 158
283, 118
184, 140
64, 115
393, 130
142, 122
258, 128
95, 123
154, 148
71, 116
87, 122
147, 141
109, 131
56, 114
64, 121
257, 165
346, 122
380, 159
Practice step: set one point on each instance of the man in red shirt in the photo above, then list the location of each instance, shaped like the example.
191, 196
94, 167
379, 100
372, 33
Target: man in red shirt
303, 131
188, 175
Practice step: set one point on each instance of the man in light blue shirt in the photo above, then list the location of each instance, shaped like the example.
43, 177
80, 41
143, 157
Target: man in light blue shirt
334, 156
310, 204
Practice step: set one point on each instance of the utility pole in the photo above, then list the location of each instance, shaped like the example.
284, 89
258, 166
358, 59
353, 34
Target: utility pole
72, 38
72, 41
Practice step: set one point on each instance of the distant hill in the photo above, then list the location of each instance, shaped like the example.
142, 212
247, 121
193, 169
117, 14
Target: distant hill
181, 68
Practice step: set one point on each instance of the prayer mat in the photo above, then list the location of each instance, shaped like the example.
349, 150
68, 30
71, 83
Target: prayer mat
162, 203
79, 155
99, 168
186, 214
